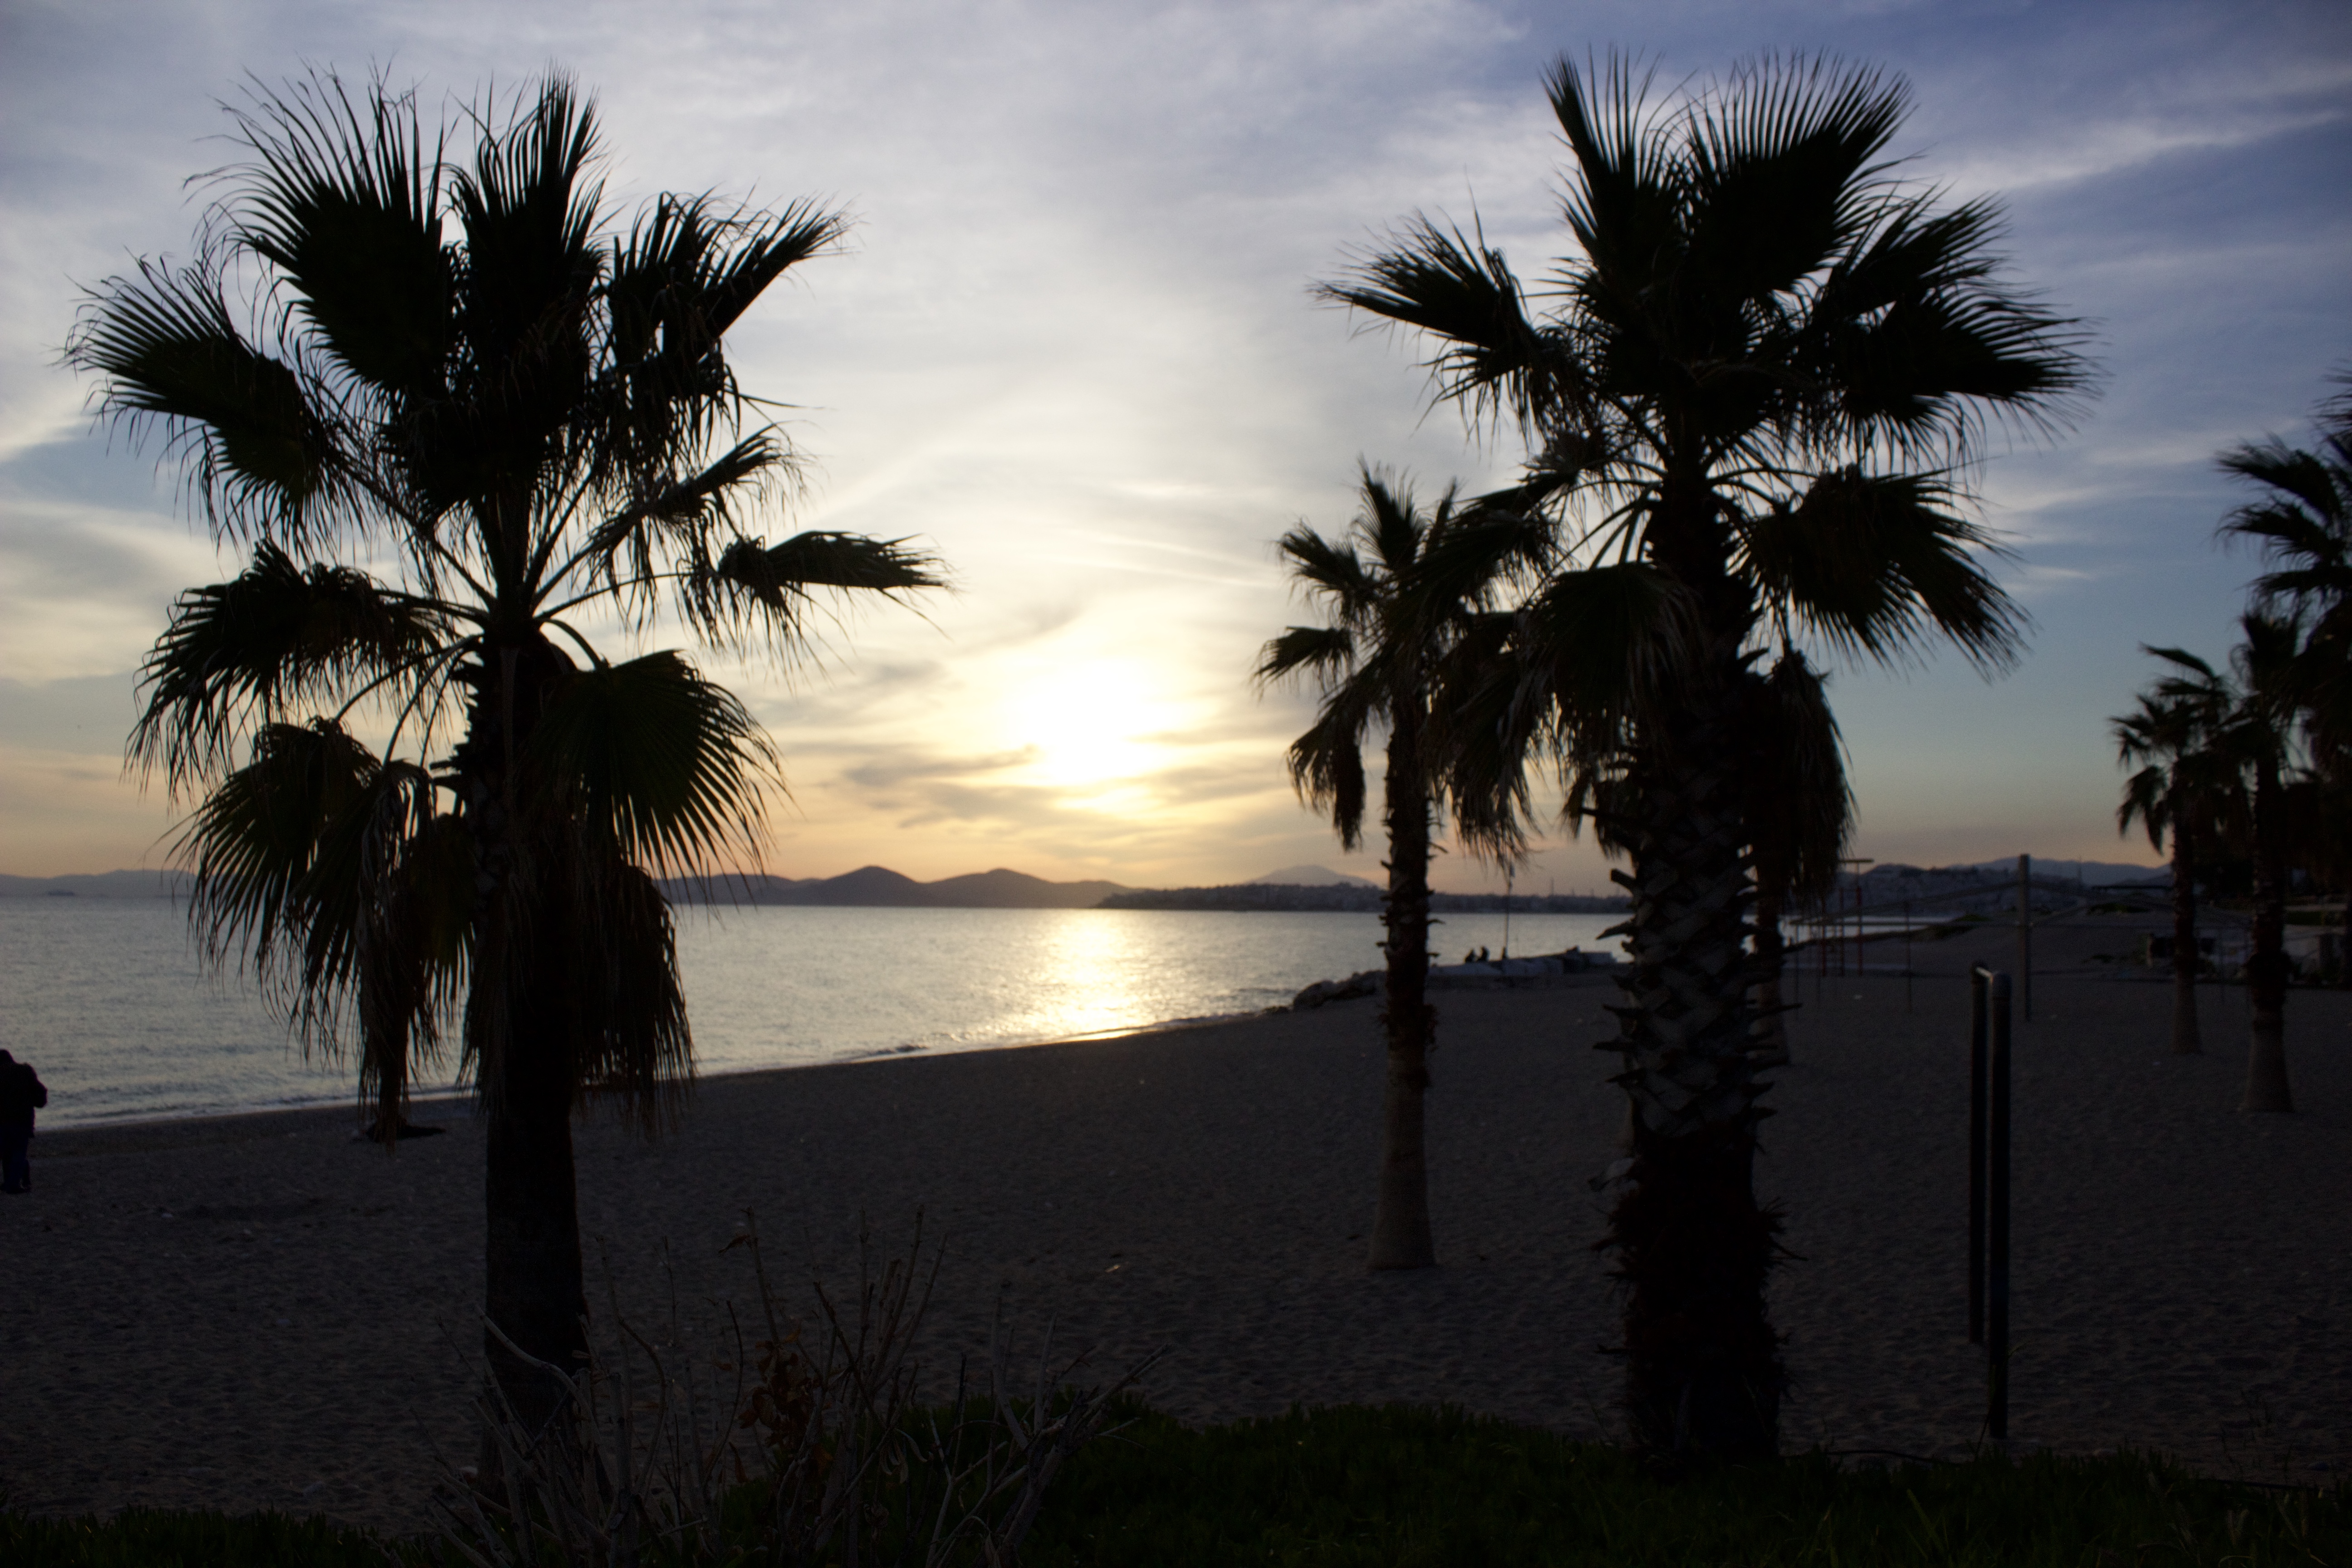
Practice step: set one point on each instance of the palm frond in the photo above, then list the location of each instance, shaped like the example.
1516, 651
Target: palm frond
1323, 652
772, 588
1603, 646
669, 770
346, 203
1463, 294
262, 460
1796, 796
635, 1047
1327, 763
253, 650
682, 275
1780, 166
674, 516
252, 844
1875, 563
1332, 569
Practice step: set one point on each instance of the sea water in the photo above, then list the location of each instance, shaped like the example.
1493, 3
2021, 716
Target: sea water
109, 1000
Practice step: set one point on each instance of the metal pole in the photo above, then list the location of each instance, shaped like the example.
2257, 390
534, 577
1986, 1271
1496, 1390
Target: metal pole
1977, 977
1997, 1223
1907, 955
1821, 949
2025, 936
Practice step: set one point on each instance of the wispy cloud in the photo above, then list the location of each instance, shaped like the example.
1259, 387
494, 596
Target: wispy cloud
1072, 347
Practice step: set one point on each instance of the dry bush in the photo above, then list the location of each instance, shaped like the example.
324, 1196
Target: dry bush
798, 1439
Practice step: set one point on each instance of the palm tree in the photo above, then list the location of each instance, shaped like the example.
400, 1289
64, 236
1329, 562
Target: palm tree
1401, 593
2180, 788
451, 411
2304, 526
1759, 375
2259, 736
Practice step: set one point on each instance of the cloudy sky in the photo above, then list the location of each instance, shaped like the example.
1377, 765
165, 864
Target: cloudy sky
1072, 347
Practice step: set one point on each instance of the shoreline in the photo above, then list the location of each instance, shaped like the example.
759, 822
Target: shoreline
151, 1131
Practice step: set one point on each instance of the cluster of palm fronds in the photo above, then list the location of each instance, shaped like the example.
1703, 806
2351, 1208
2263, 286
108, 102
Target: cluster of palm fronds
784, 1439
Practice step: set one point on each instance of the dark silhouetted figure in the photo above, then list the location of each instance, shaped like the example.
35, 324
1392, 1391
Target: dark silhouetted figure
21, 1094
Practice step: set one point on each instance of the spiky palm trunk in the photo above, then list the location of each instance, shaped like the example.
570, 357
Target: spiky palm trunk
1703, 1370
2187, 1040
523, 1029
1400, 1233
2267, 966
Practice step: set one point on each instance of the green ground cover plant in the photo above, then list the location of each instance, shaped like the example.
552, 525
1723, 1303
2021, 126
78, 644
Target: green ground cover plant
1403, 1487
166, 1538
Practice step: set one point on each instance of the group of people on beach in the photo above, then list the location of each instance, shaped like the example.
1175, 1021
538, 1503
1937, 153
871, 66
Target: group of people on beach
21, 1094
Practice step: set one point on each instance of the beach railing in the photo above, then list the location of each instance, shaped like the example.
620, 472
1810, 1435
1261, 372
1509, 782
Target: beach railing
1989, 1127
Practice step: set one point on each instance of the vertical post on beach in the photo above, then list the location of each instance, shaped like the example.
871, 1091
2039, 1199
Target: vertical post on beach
2025, 936
1979, 979
1907, 955
1997, 1223
1821, 950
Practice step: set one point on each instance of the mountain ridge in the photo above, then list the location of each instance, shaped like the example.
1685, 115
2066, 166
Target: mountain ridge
878, 887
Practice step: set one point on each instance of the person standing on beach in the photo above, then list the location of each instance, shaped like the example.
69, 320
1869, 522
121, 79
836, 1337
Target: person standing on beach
21, 1094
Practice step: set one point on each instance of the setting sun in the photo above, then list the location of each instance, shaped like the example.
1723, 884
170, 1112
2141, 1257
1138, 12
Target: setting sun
1088, 725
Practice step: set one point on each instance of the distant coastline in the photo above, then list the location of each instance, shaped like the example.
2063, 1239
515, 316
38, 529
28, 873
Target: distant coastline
878, 887
1293, 897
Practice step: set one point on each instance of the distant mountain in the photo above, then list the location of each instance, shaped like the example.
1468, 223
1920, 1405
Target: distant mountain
98, 885
2096, 873
1309, 877
878, 887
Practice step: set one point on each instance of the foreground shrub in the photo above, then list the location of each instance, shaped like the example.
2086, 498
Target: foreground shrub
762, 1436
1400, 1487
156, 1537
1403, 1488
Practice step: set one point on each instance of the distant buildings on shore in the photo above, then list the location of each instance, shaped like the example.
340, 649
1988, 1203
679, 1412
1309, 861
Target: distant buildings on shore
1290, 896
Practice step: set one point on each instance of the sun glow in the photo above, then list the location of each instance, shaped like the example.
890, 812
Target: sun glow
1090, 724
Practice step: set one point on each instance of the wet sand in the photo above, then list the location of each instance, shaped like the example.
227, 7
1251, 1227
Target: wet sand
260, 1312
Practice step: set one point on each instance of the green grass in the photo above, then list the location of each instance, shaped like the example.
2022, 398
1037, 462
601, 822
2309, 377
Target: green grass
1403, 1487
157, 1538
1335, 1488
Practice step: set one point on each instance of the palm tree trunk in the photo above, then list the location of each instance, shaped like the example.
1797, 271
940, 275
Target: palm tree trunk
2267, 966
1703, 1370
522, 1024
2186, 1041
1400, 1234
1771, 955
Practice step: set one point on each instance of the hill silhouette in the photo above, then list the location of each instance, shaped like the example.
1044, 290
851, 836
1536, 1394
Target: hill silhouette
878, 887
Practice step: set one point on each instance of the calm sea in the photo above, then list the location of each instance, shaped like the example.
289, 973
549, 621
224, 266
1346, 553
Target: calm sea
106, 996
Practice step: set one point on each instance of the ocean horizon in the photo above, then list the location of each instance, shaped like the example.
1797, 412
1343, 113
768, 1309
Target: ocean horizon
109, 999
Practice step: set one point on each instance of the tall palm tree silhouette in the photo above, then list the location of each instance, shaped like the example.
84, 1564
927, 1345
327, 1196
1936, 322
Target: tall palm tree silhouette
2304, 527
1761, 374
1401, 591
2260, 736
456, 416
2184, 786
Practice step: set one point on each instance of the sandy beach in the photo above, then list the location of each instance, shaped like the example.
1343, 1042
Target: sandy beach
259, 1312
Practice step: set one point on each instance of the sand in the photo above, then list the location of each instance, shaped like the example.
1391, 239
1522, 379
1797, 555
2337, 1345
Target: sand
261, 1312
